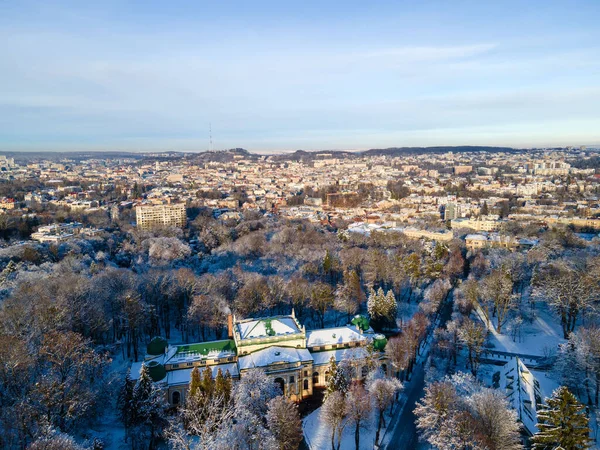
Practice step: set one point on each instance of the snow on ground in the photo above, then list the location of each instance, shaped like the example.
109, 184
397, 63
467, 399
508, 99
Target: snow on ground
547, 383
537, 337
318, 434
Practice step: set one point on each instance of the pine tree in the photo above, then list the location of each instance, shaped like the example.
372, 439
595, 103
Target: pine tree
338, 379
195, 382
124, 401
207, 384
227, 387
148, 408
484, 210
562, 423
219, 384
382, 308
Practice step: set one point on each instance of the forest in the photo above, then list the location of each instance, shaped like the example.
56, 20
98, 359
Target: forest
74, 315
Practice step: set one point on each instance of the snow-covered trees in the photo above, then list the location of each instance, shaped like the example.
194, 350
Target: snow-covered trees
383, 392
162, 250
569, 289
321, 300
579, 363
147, 410
334, 414
338, 379
459, 413
497, 291
434, 296
68, 390
473, 336
349, 294
562, 423
382, 309
253, 393
283, 420
358, 409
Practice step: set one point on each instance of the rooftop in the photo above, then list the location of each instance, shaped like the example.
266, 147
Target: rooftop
274, 326
204, 350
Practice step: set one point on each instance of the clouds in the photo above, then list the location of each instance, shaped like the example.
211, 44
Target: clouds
283, 83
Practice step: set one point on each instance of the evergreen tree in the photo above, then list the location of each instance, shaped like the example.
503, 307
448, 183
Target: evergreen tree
207, 384
148, 408
227, 388
382, 308
562, 423
124, 401
338, 379
484, 210
219, 384
195, 382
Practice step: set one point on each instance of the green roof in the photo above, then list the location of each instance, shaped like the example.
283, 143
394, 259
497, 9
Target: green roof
204, 348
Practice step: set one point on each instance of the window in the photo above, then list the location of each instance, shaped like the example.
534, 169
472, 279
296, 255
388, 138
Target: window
190, 364
306, 385
315, 378
306, 373
176, 398
292, 380
175, 366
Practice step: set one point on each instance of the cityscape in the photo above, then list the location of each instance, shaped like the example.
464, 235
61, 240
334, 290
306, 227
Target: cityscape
299, 227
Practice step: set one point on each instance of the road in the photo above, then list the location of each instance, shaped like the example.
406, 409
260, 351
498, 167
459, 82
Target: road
405, 436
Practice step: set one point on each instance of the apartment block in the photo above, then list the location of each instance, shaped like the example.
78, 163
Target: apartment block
151, 216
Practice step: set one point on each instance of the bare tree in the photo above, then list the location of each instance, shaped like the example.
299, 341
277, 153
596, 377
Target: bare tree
497, 288
333, 413
473, 336
283, 419
359, 409
570, 290
383, 392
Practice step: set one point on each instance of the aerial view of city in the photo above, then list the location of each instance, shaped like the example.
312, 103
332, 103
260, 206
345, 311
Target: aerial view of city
299, 225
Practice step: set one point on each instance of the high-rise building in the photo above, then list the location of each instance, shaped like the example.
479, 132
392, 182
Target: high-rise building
452, 211
151, 216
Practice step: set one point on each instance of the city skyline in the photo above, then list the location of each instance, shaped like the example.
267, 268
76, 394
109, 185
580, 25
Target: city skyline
274, 78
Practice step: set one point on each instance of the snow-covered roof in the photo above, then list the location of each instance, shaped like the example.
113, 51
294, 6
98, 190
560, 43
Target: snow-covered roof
330, 336
321, 358
273, 355
475, 237
182, 376
522, 392
259, 327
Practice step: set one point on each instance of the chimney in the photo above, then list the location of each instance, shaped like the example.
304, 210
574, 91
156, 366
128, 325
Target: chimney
230, 326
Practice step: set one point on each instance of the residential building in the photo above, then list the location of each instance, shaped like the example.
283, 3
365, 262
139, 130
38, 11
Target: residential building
168, 215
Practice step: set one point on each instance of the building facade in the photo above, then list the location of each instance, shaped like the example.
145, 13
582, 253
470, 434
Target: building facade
295, 359
152, 216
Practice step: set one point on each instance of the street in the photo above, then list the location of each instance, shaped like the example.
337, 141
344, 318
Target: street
405, 434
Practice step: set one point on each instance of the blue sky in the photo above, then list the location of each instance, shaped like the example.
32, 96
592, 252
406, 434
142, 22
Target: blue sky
278, 75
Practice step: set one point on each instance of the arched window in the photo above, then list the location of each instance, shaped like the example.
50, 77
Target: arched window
176, 398
306, 385
279, 382
315, 378
326, 376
